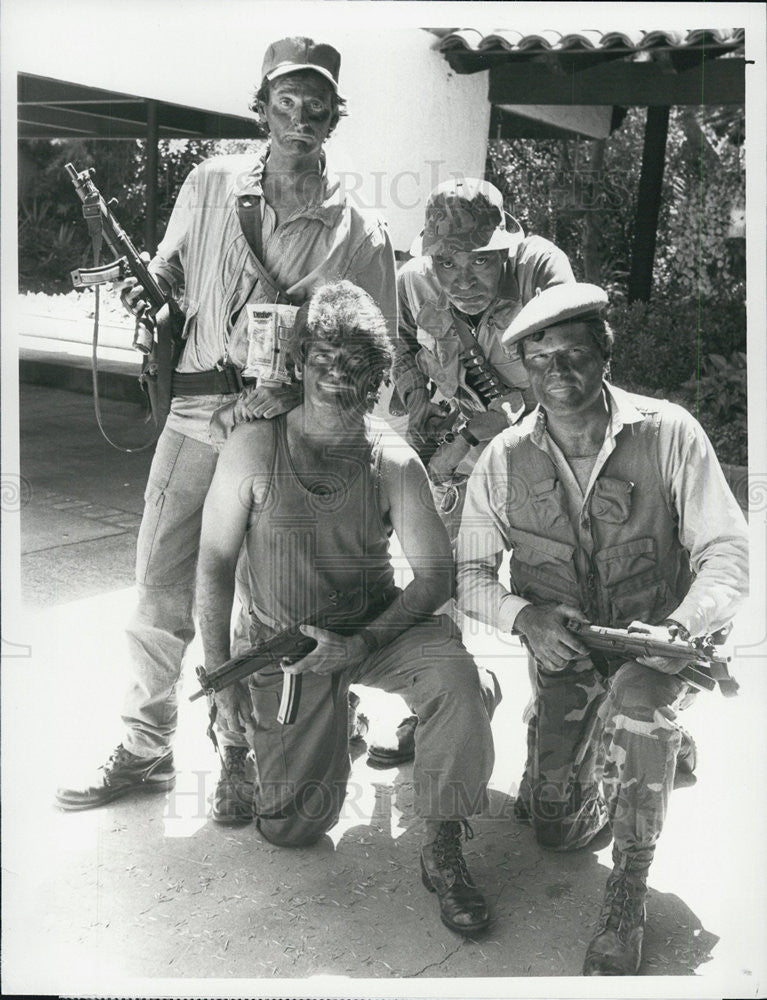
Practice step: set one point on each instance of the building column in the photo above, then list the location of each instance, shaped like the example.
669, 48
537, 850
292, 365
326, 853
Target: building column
152, 139
648, 203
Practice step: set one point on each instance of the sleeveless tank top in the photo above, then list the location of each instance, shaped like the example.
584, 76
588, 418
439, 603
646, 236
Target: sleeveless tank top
305, 545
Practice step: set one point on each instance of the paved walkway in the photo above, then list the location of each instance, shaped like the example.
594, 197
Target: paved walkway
149, 897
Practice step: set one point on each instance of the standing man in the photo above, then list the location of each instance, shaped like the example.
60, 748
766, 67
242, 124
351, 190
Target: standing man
315, 494
308, 234
616, 511
473, 271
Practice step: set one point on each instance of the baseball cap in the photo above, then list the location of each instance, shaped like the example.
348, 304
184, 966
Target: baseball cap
289, 55
466, 215
558, 304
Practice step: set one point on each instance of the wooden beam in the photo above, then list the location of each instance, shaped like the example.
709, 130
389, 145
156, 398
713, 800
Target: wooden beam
45, 105
592, 121
648, 203
715, 81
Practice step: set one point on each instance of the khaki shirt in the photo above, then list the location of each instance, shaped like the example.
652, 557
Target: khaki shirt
428, 346
205, 258
707, 519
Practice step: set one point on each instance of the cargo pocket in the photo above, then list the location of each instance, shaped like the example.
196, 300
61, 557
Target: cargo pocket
646, 602
542, 568
611, 500
631, 576
266, 736
619, 563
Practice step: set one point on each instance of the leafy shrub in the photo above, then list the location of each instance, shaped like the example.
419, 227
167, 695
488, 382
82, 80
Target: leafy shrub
721, 386
660, 344
53, 237
718, 398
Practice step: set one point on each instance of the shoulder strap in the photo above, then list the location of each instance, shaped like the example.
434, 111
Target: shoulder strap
376, 453
491, 382
249, 214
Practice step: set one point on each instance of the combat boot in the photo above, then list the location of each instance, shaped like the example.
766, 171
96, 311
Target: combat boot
234, 797
122, 774
616, 948
462, 906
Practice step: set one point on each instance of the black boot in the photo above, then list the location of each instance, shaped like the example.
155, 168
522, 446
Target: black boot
122, 774
462, 906
616, 948
234, 797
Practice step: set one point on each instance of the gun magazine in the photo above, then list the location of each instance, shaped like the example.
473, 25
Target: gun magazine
291, 696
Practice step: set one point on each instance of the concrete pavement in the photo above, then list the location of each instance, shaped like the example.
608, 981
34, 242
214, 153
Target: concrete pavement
148, 897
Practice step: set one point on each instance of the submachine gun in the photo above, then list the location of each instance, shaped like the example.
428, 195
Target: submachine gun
700, 665
159, 329
340, 614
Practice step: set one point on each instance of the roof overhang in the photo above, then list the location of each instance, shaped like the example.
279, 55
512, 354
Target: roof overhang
593, 68
55, 109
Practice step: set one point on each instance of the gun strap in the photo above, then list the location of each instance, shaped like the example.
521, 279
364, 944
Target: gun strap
249, 214
95, 383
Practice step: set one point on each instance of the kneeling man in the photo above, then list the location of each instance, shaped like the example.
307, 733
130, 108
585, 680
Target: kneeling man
315, 494
616, 511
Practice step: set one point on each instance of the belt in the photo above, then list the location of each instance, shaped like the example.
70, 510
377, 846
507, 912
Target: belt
216, 381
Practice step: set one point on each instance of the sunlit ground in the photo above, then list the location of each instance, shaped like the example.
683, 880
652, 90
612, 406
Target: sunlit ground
61, 718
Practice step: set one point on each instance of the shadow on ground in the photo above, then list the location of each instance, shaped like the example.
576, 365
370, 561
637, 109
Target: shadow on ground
150, 887
135, 896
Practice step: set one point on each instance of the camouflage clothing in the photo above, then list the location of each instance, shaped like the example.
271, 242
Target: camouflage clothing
618, 730
618, 549
467, 216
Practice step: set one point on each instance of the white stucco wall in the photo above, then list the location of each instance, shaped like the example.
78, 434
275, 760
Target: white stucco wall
412, 121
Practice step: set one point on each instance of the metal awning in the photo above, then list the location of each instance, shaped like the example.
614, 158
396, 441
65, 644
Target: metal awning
56, 109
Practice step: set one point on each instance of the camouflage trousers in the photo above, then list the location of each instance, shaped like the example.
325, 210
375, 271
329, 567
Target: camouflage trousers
602, 749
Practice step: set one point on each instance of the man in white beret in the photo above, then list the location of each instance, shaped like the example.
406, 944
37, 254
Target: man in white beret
616, 512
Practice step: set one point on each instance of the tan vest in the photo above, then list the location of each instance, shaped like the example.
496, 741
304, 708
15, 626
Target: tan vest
302, 547
637, 568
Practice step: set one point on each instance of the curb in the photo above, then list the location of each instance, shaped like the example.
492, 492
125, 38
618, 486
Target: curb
75, 375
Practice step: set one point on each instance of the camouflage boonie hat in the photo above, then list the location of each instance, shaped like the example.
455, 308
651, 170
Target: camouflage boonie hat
466, 216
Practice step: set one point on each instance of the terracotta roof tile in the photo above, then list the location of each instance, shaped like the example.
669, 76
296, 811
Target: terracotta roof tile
636, 43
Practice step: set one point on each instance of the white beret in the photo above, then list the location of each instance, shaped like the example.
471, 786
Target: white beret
573, 300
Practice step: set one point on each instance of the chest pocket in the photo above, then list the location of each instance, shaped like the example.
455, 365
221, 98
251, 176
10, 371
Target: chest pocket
611, 500
439, 354
546, 500
542, 568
